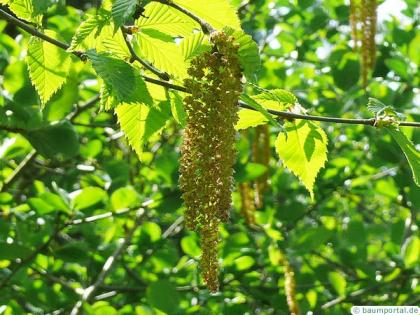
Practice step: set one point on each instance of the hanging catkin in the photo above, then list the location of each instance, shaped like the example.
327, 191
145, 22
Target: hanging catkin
363, 12
290, 288
208, 148
261, 155
247, 203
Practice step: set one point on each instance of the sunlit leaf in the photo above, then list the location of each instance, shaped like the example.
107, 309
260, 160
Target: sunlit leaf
303, 150
48, 66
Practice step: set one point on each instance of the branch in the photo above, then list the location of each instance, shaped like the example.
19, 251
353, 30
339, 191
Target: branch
281, 114
135, 57
109, 263
206, 27
11, 19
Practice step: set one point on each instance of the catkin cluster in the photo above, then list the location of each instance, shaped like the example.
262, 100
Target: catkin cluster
208, 148
363, 13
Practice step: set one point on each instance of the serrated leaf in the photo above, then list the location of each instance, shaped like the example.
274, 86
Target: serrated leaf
250, 118
303, 150
164, 55
48, 66
24, 9
139, 122
122, 10
177, 108
410, 151
194, 45
219, 13
86, 34
121, 80
166, 19
248, 53
277, 99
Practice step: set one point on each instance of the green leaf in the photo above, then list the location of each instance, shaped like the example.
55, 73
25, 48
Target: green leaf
219, 13
55, 139
163, 296
86, 34
410, 152
89, 197
177, 108
122, 81
303, 150
249, 172
166, 19
139, 122
122, 10
164, 55
411, 251
125, 197
24, 9
277, 99
338, 282
248, 52
48, 66
258, 107
13, 251
194, 45
189, 245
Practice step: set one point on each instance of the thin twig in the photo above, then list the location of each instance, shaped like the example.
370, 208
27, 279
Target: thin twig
109, 263
135, 57
11, 19
22, 165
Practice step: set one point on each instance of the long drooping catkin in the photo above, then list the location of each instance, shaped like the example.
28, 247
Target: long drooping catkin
208, 149
363, 12
261, 155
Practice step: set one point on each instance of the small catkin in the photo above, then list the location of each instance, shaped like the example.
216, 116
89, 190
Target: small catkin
261, 155
354, 20
208, 149
368, 18
290, 288
247, 203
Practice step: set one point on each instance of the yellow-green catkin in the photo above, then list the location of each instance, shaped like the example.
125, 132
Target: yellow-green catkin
261, 155
364, 13
208, 148
247, 203
290, 287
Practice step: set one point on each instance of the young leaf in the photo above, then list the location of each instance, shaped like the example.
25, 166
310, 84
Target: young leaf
194, 45
277, 99
219, 13
303, 150
248, 52
139, 122
86, 34
410, 151
165, 19
122, 10
165, 55
48, 66
122, 81
177, 108
24, 9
